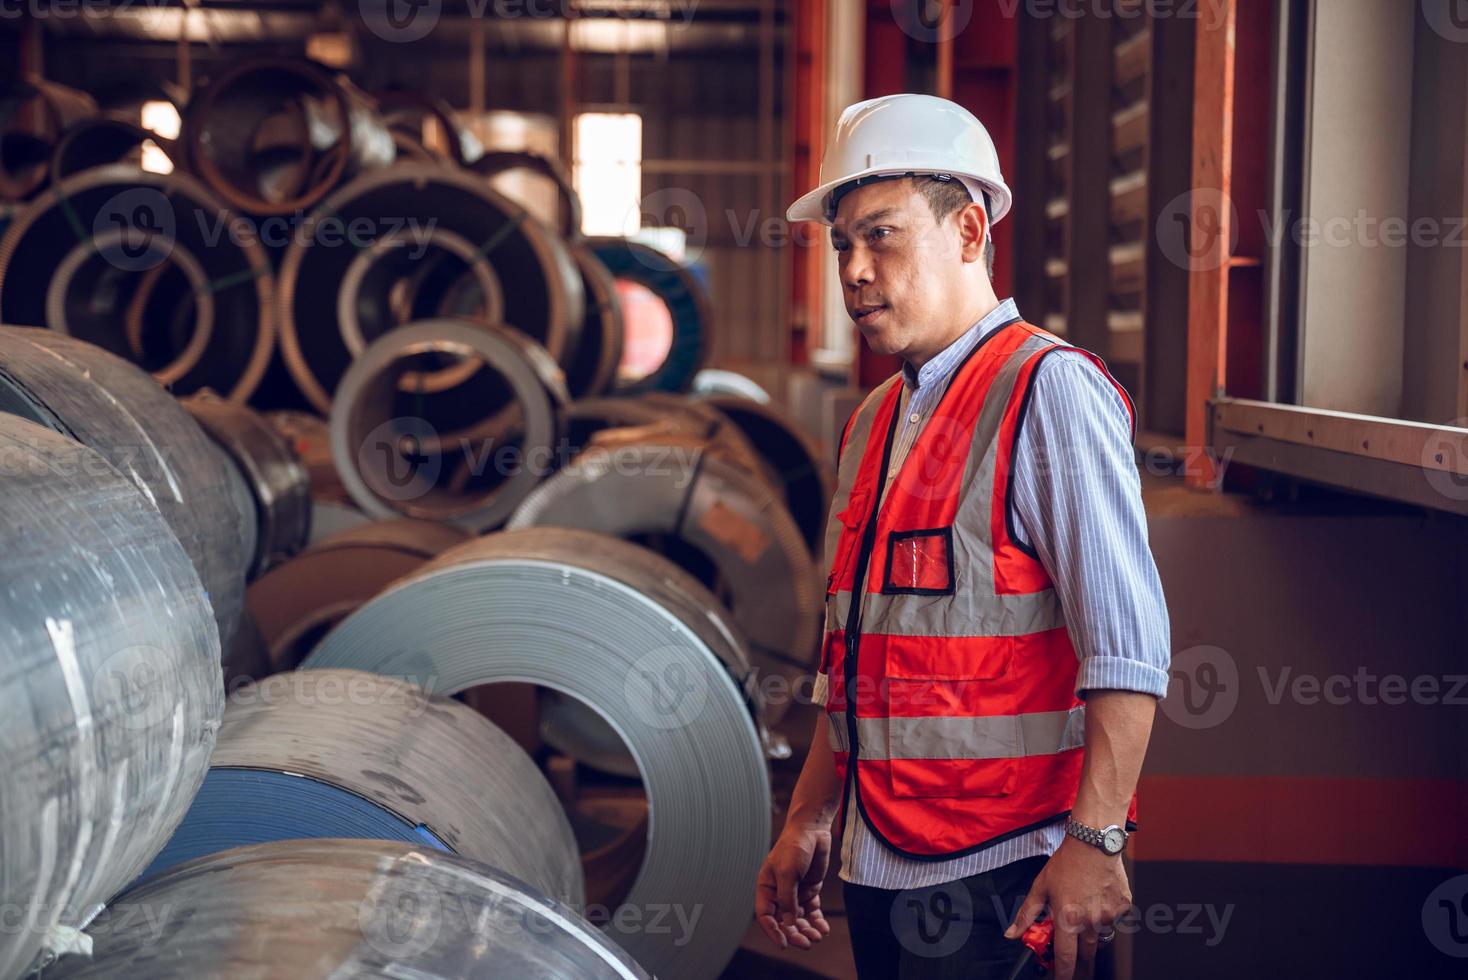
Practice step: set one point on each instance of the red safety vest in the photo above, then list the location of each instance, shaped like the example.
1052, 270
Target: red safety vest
952, 683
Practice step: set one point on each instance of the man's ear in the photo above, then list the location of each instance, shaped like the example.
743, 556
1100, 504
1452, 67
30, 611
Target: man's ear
973, 225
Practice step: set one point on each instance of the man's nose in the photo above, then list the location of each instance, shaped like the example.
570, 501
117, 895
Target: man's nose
856, 270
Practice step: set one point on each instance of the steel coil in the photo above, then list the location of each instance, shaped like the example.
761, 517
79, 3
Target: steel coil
713, 517
101, 141
312, 909
328, 517
797, 467
718, 381
433, 767
496, 162
149, 266
33, 115
115, 409
397, 455
310, 439
406, 113
111, 690
591, 369
568, 611
575, 729
297, 603
279, 485
666, 414
273, 136
440, 242
687, 302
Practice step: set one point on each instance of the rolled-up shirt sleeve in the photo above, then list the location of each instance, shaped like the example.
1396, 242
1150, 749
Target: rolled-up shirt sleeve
1077, 501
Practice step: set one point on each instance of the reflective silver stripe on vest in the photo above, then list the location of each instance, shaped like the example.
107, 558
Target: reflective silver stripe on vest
972, 535
962, 614
982, 737
856, 441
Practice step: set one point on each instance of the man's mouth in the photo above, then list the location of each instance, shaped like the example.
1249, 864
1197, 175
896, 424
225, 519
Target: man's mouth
866, 314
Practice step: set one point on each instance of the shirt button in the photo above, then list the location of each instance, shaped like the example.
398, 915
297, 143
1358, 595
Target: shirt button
913, 418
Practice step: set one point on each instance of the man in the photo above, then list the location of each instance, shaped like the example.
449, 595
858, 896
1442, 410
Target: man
996, 637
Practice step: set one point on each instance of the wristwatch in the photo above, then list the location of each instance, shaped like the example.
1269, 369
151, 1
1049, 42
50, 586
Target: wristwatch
1109, 840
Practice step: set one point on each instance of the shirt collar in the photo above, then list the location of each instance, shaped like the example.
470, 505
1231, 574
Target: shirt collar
946, 361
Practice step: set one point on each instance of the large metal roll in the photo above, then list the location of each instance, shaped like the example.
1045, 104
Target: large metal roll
273, 136
314, 909
410, 454
33, 115
656, 415
151, 267
570, 612
412, 242
115, 409
297, 603
102, 140
496, 162
110, 692
408, 116
575, 729
343, 753
797, 466
688, 306
719, 381
279, 485
591, 369
724, 524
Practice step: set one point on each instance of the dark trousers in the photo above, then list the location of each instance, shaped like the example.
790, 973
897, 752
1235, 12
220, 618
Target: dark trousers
942, 931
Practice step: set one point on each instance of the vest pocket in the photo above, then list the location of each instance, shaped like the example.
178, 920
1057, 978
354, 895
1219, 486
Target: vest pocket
852, 519
919, 562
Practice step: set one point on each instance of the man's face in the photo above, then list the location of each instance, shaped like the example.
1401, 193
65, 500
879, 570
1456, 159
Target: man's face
899, 266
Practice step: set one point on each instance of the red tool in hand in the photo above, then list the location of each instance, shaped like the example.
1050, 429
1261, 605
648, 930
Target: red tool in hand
1039, 950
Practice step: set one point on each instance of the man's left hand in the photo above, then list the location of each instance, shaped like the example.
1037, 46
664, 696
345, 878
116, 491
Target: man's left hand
1086, 892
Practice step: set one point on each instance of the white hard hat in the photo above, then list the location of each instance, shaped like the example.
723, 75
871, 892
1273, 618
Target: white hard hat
906, 134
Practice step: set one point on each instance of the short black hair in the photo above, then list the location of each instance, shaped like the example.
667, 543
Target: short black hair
947, 196
944, 195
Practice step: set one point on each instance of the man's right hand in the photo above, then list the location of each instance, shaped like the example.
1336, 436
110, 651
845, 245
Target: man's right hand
787, 896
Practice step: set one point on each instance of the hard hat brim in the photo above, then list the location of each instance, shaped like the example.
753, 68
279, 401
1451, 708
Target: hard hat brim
812, 206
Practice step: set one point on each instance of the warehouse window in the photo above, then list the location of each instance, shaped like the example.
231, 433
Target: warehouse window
608, 172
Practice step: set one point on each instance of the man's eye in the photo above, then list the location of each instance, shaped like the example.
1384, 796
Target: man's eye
879, 233
841, 246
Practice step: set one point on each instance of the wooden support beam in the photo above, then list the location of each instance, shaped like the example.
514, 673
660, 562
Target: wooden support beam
1088, 268
1213, 110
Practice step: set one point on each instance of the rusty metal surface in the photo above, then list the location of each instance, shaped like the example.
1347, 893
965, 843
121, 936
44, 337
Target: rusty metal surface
188, 300
298, 602
415, 211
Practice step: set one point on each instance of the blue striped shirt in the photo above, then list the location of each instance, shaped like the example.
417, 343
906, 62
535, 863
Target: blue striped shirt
1078, 503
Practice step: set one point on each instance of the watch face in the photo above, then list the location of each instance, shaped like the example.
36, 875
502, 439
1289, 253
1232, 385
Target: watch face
1113, 840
